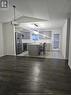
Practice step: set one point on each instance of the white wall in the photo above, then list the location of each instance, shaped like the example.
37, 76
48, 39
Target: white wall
9, 39
64, 36
69, 61
1, 41
68, 38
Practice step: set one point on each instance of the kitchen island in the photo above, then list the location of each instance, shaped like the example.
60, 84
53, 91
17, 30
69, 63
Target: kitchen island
33, 49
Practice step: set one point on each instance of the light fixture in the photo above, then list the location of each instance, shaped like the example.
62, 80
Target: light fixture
30, 25
35, 32
4, 4
41, 24
14, 7
36, 25
14, 19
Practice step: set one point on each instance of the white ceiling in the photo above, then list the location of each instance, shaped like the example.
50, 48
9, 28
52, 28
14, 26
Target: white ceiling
55, 11
42, 25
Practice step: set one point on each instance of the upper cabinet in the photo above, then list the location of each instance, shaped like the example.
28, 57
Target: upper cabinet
25, 35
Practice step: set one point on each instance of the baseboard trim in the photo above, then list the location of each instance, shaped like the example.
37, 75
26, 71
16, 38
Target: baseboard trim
69, 66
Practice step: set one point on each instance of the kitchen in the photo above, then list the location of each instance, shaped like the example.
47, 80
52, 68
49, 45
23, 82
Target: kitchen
32, 38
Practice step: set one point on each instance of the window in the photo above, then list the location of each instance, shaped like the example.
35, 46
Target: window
56, 41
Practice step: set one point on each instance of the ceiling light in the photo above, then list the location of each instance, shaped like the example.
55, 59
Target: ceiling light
14, 7
35, 32
30, 25
41, 24
36, 25
4, 4
14, 20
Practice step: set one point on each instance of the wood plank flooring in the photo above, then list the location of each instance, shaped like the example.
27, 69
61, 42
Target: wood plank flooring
34, 76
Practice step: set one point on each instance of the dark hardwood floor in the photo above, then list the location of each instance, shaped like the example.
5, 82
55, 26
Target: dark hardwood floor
34, 76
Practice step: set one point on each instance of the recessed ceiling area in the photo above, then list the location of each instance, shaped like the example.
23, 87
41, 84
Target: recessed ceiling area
54, 12
42, 25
